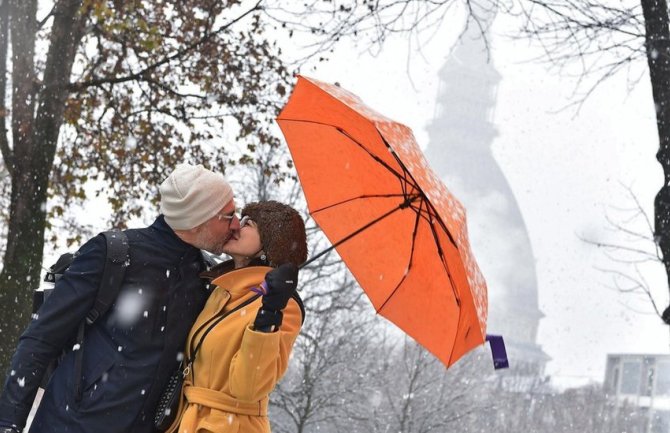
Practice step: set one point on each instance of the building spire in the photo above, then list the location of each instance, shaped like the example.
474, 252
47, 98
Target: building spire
459, 150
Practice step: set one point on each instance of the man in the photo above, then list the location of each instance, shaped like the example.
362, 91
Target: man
130, 352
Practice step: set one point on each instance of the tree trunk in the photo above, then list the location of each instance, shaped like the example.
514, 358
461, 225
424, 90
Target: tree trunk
657, 41
19, 259
4, 44
35, 136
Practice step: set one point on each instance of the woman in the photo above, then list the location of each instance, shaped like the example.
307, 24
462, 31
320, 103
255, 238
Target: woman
239, 360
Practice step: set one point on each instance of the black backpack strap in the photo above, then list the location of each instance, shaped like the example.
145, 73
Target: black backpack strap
110, 285
112, 275
298, 299
78, 361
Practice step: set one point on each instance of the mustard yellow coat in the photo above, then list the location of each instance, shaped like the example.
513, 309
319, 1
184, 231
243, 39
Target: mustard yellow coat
236, 368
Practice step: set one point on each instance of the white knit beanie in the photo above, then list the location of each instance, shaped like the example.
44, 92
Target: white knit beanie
191, 195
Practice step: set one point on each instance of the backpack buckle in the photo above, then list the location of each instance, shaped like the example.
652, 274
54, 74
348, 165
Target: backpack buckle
92, 316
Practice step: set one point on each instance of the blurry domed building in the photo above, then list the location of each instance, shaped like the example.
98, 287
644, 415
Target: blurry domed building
459, 150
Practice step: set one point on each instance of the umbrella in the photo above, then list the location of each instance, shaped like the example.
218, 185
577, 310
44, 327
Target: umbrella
398, 229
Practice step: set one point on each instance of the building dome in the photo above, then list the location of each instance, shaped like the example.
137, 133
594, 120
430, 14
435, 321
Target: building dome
459, 150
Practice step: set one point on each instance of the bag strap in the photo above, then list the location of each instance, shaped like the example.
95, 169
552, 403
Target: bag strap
78, 361
189, 363
296, 297
112, 275
191, 358
110, 284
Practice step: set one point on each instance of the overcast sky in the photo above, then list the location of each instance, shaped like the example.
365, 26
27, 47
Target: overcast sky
566, 169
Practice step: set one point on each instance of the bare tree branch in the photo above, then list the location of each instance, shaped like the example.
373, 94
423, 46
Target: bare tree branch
137, 76
327, 23
43, 21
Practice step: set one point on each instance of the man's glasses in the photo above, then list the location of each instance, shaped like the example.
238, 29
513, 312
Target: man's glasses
227, 216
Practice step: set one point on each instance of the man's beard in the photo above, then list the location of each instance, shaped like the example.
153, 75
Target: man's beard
205, 240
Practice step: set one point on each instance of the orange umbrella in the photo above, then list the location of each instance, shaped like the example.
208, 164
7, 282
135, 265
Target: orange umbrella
401, 233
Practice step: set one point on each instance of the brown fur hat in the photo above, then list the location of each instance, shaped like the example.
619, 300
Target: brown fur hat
282, 231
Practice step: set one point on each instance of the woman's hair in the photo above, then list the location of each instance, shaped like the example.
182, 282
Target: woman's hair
282, 231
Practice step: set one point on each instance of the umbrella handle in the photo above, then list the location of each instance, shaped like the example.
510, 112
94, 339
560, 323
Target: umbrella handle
498, 351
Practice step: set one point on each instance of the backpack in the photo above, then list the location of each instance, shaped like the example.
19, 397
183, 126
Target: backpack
110, 284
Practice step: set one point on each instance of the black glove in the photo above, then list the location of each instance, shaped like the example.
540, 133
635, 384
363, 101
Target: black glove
281, 283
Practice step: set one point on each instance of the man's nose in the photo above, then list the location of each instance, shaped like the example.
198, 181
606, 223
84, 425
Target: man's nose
235, 223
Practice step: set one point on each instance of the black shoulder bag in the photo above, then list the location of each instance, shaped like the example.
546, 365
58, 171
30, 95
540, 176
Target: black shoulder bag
169, 401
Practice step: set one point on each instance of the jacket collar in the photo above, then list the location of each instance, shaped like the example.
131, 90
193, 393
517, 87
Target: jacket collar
228, 266
170, 236
242, 279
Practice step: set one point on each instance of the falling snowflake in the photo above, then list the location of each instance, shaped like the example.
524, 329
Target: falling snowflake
131, 143
376, 399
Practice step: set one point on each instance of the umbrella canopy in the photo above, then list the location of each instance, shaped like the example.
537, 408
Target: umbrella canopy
405, 236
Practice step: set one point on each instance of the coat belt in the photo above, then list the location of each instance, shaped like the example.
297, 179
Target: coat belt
218, 400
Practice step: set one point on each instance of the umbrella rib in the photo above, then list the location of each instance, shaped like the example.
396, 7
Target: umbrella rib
440, 252
357, 198
378, 159
405, 204
343, 132
427, 213
404, 180
443, 225
411, 257
406, 172
432, 215
407, 176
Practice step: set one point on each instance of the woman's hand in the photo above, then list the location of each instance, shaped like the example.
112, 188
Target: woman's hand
281, 285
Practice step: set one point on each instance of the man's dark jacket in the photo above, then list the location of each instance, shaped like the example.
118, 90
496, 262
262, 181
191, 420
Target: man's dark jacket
129, 353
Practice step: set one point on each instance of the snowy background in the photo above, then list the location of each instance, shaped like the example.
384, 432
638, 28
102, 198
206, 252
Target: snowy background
569, 168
